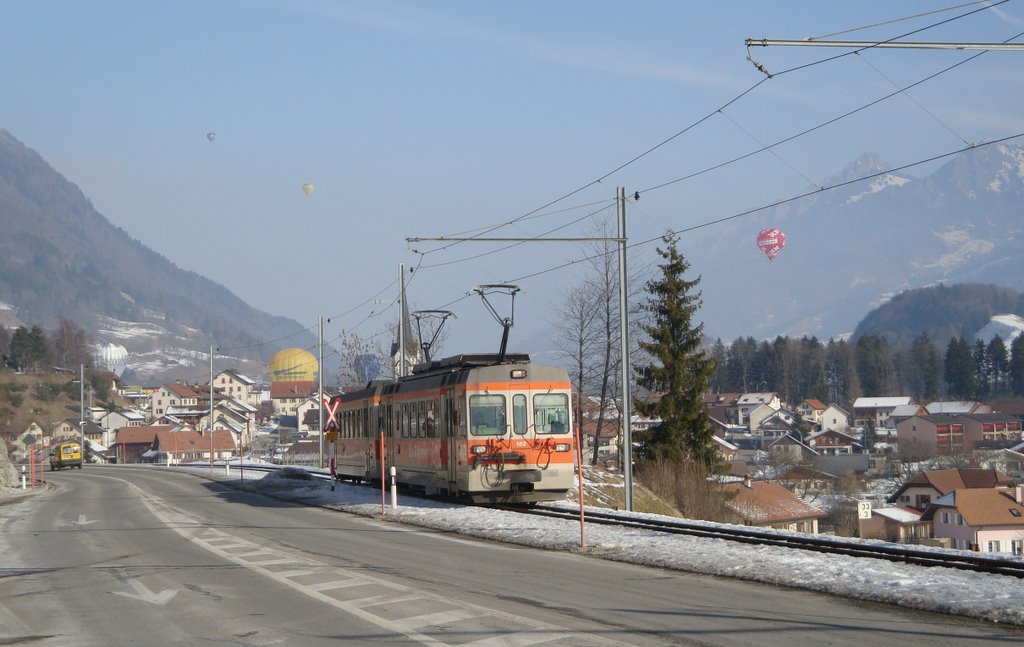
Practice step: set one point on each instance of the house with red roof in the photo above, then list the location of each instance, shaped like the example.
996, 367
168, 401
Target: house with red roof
287, 396
984, 519
927, 486
898, 524
769, 505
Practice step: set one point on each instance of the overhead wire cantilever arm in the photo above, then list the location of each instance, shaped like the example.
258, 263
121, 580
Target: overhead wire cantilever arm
866, 44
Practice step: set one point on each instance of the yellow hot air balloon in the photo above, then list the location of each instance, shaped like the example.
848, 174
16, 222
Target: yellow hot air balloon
308, 188
293, 365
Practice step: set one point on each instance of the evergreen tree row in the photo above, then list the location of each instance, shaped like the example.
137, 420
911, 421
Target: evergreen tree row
840, 371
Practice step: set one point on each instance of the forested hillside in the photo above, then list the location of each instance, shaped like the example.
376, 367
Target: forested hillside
920, 344
943, 312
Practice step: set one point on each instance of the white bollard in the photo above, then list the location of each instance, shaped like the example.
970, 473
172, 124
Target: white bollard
394, 490
227, 468
24, 483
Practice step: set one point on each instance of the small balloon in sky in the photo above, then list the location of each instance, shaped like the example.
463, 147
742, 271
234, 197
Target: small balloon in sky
211, 135
308, 188
771, 241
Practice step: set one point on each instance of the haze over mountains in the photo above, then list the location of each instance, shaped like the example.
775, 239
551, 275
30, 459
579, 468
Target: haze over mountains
848, 251
59, 258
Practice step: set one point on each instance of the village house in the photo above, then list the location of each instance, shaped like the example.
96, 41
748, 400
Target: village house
723, 407
183, 445
993, 430
957, 407
875, 410
835, 418
810, 410
179, 397
747, 402
769, 505
927, 486
788, 449
126, 418
831, 443
935, 434
805, 481
131, 443
233, 384
986, 520
287, 396
898, 524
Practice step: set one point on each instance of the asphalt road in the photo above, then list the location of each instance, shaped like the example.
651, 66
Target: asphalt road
132, 556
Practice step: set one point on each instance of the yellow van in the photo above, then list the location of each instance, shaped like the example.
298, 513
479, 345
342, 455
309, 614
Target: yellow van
68, 454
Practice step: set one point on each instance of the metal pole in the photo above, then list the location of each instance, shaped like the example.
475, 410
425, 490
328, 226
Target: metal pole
401, 320
320, 395
209, 425
81, 409
627, 432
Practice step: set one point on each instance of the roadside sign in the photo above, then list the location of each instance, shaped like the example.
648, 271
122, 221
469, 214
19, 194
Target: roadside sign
863, 509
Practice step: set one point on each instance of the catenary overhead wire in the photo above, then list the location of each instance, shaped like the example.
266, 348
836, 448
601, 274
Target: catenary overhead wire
777, 203
915, 101
684, 130
516, 244
770, 149
824, 123
829, 59
895, 20
671, 138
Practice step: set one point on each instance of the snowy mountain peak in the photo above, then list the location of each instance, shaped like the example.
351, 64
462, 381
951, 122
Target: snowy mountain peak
865, 164
1007, 326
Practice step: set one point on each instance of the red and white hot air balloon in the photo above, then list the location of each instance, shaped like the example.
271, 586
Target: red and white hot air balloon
771, 241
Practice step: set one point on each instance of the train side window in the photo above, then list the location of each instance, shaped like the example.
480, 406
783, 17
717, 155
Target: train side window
487, 415
431, 423
551, 413
460, 419
519, 414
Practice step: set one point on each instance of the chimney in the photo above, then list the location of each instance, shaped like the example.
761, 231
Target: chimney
1018, 494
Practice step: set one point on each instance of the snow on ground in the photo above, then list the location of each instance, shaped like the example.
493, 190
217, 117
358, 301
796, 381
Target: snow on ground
995, 598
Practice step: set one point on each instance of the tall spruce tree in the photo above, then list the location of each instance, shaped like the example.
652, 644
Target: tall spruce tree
679, 370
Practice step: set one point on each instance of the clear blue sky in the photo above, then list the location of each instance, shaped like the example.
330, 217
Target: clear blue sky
432, 118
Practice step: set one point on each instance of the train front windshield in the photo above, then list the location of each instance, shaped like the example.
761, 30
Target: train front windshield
487, 415
551, 413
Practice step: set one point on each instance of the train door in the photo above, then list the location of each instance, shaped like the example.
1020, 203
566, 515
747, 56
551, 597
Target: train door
382, 424
451, 434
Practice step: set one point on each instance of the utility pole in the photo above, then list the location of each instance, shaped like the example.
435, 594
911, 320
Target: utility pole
210, 424
401, 320
81, 410
627, 430
320, 391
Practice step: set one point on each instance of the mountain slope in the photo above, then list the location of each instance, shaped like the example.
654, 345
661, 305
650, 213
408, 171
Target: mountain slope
59, 257
850, 249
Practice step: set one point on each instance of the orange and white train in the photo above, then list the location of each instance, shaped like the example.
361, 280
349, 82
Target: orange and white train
487, 428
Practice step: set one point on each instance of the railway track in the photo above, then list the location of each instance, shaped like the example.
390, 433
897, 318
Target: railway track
893, 552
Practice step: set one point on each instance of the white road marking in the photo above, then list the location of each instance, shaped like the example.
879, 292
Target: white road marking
521, 630
144, 594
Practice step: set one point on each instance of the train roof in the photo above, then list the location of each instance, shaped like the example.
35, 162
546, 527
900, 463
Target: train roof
471, 360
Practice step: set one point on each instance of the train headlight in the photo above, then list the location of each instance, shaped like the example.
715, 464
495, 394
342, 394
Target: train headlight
479, 449
517, 374
563, 447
